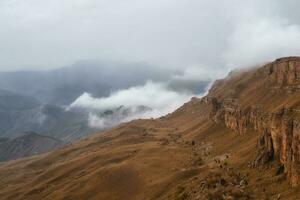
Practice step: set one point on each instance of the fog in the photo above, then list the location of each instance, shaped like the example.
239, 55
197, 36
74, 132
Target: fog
261, 40
157, 97
180, 46
206, 34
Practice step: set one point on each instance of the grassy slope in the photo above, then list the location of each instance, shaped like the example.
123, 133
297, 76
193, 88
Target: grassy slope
168, 158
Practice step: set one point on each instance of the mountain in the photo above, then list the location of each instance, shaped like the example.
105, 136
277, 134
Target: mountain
26, 145
62, 86
241, 141
20, 113
13, 101
50, 120
10, 103
38, 100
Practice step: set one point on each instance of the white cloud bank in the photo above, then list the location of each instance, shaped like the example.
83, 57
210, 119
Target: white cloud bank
259, 40
201, 38
156, 96
169, 33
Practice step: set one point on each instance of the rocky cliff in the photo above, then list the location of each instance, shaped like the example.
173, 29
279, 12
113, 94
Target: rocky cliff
266, 100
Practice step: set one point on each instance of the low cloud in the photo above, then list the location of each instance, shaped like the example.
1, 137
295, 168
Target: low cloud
151, 100
170, 34
198, 73
255, 41
154, 95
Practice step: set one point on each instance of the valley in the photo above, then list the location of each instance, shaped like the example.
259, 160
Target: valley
235, 143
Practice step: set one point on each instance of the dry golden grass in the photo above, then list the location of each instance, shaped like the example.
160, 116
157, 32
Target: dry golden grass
144, 159
184, 155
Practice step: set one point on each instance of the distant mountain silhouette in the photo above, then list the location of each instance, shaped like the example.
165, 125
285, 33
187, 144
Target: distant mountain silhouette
25, 145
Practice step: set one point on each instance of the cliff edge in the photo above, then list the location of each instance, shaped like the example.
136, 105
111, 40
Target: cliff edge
266, 99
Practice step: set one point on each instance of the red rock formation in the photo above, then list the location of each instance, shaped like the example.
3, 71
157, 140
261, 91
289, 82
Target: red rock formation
278, 123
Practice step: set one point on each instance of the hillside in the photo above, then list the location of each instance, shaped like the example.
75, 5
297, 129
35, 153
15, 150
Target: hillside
28, 144
241, 141
11, 102
39, 101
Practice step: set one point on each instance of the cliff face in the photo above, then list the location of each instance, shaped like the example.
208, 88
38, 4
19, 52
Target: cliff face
285, 71
266, 100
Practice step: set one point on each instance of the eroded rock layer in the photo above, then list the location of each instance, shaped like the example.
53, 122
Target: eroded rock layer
266, 100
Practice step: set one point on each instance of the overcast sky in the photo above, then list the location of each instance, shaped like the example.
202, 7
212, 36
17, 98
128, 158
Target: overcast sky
208, 35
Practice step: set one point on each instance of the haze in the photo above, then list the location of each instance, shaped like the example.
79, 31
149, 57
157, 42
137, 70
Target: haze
201, 34
135, 59
150, 99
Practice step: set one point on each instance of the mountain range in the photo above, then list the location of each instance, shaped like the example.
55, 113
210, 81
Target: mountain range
63, 85
240, 141
29, 97
38, 101
28, 144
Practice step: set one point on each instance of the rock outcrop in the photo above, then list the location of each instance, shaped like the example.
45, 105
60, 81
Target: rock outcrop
277, 120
